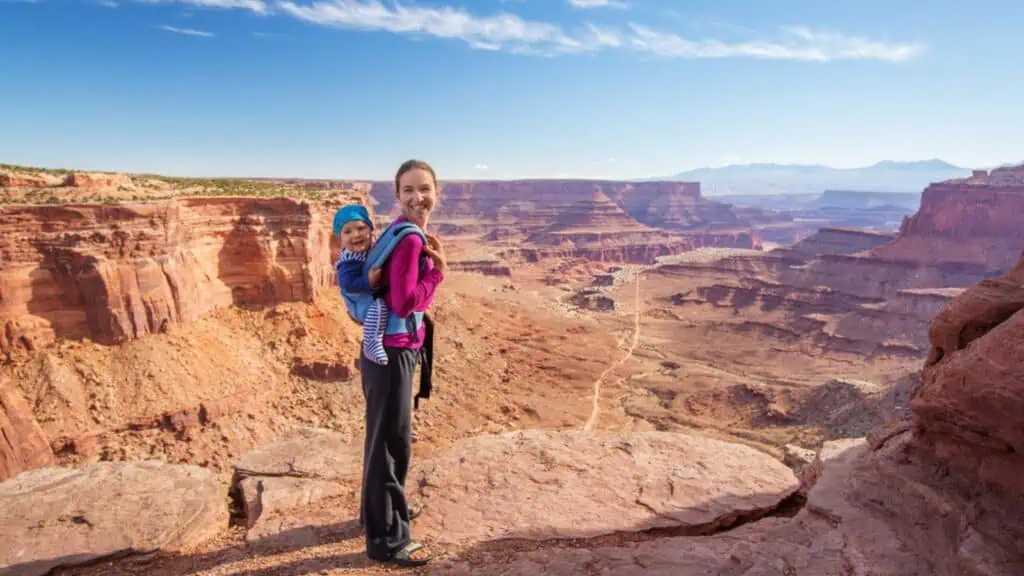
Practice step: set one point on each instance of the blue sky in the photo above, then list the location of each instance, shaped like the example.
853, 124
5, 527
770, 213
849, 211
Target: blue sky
506, 88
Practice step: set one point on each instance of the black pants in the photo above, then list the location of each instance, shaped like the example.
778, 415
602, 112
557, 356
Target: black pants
386, 453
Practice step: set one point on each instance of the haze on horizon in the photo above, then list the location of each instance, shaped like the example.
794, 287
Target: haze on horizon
505, 89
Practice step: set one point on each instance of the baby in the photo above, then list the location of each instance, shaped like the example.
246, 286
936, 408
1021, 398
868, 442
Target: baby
353, 225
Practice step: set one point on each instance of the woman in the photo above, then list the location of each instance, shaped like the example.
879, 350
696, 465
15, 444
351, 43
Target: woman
411, 274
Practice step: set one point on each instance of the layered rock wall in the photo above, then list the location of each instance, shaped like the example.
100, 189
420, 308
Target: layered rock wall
672, 205
117, 272
961, 223
837, 241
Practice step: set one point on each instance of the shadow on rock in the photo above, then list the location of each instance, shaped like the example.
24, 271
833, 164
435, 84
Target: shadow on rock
288, 553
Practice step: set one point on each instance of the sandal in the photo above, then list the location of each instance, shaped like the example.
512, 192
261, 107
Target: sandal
405, 556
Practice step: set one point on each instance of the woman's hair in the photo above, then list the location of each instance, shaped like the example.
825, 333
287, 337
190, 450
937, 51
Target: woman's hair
410, 165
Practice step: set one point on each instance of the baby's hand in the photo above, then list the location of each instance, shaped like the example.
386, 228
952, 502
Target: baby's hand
374, 276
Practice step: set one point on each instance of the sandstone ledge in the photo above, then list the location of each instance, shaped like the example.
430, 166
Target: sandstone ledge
541, 485
52, 517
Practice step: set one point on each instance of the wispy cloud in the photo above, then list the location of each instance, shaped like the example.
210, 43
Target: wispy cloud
597, 4
186, 31
481, 167
504, 31
796, 43
108, 3
257, 6
509, 32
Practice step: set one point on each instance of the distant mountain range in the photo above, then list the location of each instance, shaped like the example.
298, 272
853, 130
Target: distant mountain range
758, 179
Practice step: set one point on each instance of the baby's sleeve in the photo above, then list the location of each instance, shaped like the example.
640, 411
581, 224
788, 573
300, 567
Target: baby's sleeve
351, 277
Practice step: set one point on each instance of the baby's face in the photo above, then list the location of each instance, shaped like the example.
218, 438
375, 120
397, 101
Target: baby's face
355, 236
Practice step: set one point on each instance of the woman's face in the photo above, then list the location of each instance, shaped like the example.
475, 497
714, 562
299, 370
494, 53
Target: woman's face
417, 195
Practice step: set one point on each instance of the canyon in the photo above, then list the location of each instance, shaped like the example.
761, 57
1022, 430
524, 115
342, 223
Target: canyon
727, 401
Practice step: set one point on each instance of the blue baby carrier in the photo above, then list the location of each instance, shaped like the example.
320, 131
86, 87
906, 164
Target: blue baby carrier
358, 304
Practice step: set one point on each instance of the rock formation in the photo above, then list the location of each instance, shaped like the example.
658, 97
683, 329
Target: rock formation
670, 205
540, 485
116, 272
596, 229
23, 444
595, 213
963, 224
298, 469
836, 241
485, 267
54, 517
627, 247
97, 180
971, 399
14, 179
962, 234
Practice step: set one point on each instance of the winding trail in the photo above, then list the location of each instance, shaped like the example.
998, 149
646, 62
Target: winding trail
629, 354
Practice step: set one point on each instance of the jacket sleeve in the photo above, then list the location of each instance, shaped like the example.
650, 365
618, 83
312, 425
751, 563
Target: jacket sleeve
409, 290
351, 278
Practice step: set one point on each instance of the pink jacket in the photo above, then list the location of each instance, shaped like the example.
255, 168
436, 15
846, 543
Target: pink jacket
409, 290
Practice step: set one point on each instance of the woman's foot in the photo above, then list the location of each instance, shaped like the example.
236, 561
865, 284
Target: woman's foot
413, 554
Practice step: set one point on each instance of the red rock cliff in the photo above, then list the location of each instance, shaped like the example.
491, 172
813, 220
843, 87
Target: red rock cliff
116, 272
960, 222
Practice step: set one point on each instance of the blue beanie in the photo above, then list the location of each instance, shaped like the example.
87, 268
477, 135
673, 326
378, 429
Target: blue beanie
346, 214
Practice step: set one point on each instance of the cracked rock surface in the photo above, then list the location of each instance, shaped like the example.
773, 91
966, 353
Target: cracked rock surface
52, 517
540, 484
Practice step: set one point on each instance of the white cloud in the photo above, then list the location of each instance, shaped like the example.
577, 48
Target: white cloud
187, 31
509, 32
257, 6
504, 31
597, 4
481, 167
798, 43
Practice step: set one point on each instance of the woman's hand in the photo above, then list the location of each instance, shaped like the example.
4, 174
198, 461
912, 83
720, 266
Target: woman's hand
435, 250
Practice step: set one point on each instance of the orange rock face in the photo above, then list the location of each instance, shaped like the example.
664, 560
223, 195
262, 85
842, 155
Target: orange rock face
117, 272
96, 180
962, 223
23, 180
971, 398
23, 445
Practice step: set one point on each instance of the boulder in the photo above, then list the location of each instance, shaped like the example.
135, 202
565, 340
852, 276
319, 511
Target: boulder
53, 517
299, 469
538, 485
970, 402
23, 445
